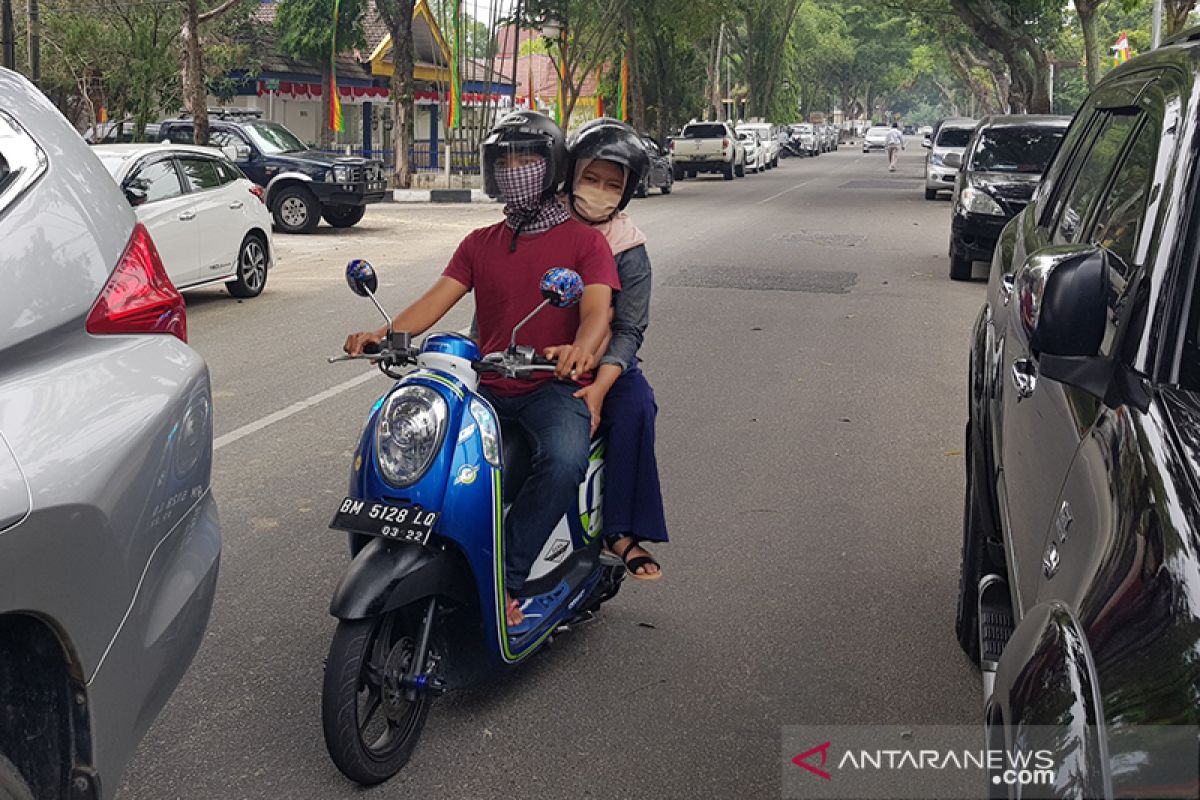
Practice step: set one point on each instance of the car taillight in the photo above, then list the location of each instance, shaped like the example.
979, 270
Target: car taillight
139, 297
671, 145
724, 143
257, 191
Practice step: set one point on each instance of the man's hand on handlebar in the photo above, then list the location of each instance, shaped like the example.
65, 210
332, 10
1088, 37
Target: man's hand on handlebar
573, 360
357, 343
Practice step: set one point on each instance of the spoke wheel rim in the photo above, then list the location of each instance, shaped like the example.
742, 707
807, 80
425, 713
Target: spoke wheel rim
294, 211
254, 265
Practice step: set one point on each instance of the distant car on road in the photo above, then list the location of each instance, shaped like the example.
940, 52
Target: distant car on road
208, 220
1000, 171
660, 175
755, 152
1080, 557
875, 138
807, 135
109, 539
708, 147
951, 136
119, 132
302, 184
768, 141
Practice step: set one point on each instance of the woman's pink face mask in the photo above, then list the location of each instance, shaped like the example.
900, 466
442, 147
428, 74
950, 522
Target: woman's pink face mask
598, 189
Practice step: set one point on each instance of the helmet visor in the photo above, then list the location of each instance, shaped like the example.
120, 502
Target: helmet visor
510, 156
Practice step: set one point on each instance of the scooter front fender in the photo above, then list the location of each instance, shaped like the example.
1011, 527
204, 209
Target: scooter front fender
387, 575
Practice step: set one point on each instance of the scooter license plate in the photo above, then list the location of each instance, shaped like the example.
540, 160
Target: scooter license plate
400, 523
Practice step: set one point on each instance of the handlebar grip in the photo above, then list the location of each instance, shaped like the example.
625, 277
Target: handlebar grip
542, 361
371, 348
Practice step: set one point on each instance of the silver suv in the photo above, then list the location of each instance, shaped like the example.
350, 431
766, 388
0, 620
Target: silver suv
109, 540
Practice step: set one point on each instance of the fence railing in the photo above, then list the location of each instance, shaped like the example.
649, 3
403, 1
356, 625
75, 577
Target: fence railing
463, 159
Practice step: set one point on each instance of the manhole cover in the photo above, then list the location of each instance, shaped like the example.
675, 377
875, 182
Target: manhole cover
881, 183
823, 238
815, 281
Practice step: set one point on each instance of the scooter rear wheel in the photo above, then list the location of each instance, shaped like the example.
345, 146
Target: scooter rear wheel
371, 728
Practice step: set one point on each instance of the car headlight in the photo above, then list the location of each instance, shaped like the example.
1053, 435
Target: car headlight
936, 159
489, 431
408, 433
976, 201
339, 174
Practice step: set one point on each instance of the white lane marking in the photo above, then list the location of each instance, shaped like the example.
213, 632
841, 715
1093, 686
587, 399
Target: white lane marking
293, 409
785, 191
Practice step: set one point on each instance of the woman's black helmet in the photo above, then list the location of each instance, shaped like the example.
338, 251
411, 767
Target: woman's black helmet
524, 132
610, 140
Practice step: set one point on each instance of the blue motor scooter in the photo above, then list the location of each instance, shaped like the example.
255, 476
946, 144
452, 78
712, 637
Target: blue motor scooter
421, 606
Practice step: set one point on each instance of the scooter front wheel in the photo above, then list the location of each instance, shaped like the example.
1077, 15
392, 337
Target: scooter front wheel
371, 722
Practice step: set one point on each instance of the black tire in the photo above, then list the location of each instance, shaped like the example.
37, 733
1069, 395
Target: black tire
677, 172
775, 162
295, 210
343, 216
691, 173
728, 172
666, 187
251, 268
931, 194
960, 268
12, 784
975, 563
740, 170
357, 644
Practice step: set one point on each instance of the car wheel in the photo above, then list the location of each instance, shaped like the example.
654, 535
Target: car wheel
251, 268
975, 563
931, 194
344, 216
728, 172
12, 785
666, 187
295, 210
741, 170
960, 268
775, 162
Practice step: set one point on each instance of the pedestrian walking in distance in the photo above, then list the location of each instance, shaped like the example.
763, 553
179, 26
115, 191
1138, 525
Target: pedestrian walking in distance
894, 144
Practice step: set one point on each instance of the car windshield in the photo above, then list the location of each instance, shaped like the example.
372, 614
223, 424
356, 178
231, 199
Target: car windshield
954, 137
271, 138
802, 128
1025, 150
704, 131
877, 132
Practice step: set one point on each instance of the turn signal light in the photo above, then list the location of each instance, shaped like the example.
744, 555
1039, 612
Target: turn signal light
258, 192
139, 297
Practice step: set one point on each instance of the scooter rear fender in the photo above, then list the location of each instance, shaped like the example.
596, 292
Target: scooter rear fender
388, 575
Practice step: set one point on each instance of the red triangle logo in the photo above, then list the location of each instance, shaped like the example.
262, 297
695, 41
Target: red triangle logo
802, 760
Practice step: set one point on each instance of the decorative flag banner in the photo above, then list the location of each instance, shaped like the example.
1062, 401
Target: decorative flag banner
1121, 50
623, 90
599, 97
103, 115
454, 117
336, 122
529, 63
560, 99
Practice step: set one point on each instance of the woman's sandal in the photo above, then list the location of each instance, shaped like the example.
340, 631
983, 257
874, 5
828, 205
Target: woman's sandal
634, 564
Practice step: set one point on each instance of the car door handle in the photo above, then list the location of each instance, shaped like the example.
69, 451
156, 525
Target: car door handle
1024, 377
236, 204
186, 215
1007, 281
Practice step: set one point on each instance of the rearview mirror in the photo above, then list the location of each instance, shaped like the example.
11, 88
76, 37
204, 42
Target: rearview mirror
562, 287
237, 153
953, 160
926, 143
361, 278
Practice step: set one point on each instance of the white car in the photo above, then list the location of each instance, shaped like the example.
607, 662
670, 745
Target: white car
952, 136
875, 138
768, 136
807, 135
209, 221
755, 152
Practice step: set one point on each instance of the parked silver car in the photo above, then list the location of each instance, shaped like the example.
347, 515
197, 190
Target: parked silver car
109, 539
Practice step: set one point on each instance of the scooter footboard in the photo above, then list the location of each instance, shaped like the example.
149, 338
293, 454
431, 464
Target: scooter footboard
387, 575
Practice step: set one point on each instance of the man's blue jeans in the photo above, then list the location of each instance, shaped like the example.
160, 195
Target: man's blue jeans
552, 430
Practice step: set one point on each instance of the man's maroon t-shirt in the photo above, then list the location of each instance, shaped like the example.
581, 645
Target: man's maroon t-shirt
506, 287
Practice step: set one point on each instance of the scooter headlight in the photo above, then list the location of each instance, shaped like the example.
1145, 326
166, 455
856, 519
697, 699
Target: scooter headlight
408, 433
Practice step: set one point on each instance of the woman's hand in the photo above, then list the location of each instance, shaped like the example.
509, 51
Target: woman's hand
593, 396
357, 342
572, 360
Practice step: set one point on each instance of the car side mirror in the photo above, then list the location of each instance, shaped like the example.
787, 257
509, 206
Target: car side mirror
1062, 312
237, 153
926, 144
135, 195
953, 160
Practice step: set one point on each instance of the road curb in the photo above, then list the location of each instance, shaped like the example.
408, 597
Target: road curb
440, 196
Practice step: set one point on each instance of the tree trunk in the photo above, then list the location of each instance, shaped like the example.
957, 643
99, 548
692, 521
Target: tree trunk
403, 110
1086, 9
637, 101
194, 94
1176, 13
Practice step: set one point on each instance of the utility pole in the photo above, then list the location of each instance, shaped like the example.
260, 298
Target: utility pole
517, 53
35, 44
1156, 25
7, 40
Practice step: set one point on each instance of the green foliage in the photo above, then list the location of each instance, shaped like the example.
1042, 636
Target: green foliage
306, 31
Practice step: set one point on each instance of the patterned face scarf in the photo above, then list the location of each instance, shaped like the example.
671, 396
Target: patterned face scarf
524, 207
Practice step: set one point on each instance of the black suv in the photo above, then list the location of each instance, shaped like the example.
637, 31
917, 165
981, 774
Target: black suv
1080, 586
302, 184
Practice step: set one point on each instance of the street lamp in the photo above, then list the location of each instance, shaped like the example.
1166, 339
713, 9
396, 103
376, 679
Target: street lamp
552, 28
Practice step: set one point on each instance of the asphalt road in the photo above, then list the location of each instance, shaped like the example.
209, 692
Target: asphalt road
808, 353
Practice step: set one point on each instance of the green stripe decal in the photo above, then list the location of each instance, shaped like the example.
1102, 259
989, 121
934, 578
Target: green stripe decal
449, 384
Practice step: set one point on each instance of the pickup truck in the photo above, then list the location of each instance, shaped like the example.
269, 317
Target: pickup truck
708, 147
